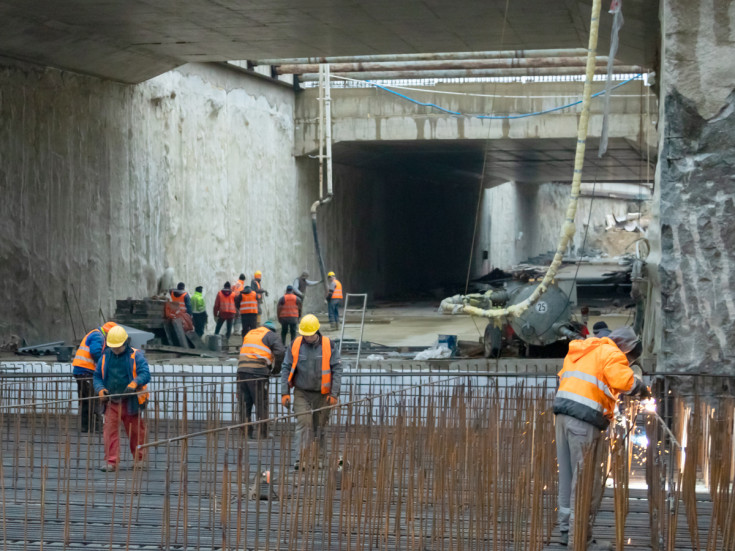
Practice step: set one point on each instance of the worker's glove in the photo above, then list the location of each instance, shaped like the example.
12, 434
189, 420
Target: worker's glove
265, 293
332, 400
645, 393
131, 388
286, 401
103, 394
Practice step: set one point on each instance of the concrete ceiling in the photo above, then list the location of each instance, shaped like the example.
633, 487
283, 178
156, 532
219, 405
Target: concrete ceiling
533, 161
134, 40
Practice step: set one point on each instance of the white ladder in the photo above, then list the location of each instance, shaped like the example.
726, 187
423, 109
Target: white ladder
361, 309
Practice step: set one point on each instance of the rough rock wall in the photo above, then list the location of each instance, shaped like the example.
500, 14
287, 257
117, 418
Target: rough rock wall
693, 317
105, 186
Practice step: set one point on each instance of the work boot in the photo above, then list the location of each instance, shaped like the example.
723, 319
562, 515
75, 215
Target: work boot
108, 468
598, 545
564, 538
334, 326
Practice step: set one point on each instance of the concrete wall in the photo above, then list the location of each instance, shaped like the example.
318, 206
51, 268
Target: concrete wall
104, 186
519, 221
692, 320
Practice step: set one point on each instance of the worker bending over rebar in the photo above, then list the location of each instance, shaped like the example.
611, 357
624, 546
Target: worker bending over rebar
595, 372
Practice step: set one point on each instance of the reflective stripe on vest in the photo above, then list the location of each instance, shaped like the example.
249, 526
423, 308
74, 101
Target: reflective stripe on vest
248, 303
83, 358
326, 358
143, 396
227, 303
337, 293
238, 286
290, 308
254, 348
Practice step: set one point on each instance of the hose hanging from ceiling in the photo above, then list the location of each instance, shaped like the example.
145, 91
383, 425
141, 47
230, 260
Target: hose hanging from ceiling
450, 305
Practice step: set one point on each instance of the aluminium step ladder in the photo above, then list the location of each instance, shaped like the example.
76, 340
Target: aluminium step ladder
361, 309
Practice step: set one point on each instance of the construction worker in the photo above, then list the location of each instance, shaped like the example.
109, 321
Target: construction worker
180, 296
600, 329
199, 311
239, 285
122, 370
257, 286
334, 299
301, 283
313, 369
261, 356
289, 311
84, 364
224, 309
595, 372
247, 303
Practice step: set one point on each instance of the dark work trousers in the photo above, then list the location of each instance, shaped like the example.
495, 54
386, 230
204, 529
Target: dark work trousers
91, 420
200, 322
252, 390
287, 327
249, 321
220, 321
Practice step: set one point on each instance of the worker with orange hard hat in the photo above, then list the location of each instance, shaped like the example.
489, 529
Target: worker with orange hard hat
257, 286
84, 364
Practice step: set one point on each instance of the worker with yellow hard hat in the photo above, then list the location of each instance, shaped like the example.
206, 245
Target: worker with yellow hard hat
334, 299
257, 286
313, 369
84, 364
120, 381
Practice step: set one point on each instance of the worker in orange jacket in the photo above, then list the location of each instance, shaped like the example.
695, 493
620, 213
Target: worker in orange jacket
289, 312
85, 362
595, 372
313, 369
224, 309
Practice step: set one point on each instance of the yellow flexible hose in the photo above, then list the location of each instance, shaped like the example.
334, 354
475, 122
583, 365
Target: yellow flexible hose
567, 229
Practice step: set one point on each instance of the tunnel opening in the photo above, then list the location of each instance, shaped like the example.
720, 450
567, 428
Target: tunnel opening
402, 220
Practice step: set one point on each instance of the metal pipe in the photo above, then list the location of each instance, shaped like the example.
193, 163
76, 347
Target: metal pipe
469, 73
498, 54
325, 129
509, 63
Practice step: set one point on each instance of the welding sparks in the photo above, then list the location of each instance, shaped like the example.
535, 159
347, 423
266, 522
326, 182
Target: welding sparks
649, 405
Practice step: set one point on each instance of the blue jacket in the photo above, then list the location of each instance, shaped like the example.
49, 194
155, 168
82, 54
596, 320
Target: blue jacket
124, 361
96, 343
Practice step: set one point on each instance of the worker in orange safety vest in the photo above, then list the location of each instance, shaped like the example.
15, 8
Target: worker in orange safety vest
224, 309
84, 363
334, 299
246, 301
313, 369
289, 312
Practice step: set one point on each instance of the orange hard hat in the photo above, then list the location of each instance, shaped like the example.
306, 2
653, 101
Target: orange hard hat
109, 325
258, 274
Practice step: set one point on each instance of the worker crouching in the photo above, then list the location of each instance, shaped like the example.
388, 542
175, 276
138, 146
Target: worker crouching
313, 369
122, 370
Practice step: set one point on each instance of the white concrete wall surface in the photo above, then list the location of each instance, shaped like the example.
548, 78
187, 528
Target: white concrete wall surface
104, 186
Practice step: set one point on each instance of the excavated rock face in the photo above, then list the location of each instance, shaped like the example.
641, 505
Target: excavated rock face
697, 238
696, 187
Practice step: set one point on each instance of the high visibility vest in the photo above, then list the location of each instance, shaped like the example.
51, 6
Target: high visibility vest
238, 286
181, 298
326, 368
337, 293
83, 358
254, 348
257, 287
248, 303
143, 396
227, 303
290, 308
590, 383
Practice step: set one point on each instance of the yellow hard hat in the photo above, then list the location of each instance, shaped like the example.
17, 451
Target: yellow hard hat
330, 274
116, 337
309, 325
258, 274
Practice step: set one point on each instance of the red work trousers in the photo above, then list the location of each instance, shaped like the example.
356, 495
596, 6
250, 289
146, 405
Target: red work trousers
134, 428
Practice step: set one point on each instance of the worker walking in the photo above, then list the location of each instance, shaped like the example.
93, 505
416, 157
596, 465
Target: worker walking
199, 311
247, 302
301, 283
595, 372
261, 356
313, 369
84, 363
334, 299
180, 296
224, 310
239, 285
289, 312
122, 370
257, 286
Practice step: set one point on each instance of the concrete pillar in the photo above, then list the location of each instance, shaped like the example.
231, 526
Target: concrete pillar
692, 323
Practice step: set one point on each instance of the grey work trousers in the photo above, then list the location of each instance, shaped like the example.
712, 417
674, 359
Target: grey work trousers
310, 424
572, 438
